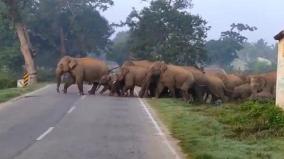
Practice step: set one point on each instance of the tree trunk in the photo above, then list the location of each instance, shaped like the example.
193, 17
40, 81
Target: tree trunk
29, 63
62, 43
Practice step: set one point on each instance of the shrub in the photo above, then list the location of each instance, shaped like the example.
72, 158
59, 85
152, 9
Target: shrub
7, 81
45, 75
258, 119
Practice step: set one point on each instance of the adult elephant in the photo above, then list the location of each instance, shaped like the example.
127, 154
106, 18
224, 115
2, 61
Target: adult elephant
264, 83
200, 87
209, 82
217, 89
172, 77
132, 76
81, 69
230, 80
149, 86
242, 92
141, 63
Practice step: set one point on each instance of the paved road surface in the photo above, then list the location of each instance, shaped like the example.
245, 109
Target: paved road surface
47, 125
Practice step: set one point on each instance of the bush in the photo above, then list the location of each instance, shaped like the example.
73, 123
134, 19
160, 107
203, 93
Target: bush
7, 81
45, 75
258, 119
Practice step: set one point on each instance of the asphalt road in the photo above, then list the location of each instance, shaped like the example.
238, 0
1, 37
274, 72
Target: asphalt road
47, 125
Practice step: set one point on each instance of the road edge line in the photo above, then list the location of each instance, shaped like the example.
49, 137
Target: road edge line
158, 128
49, 130
4, 104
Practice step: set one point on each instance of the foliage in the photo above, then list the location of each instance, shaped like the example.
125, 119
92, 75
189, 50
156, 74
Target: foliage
257, 119
83, 28
7, 94
7, 81
166, 31
251, 51
237, 130
45, 74
9, 48
260, 67
224, 50
120, 48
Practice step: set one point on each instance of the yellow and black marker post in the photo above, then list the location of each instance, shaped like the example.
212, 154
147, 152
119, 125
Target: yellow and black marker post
26, 79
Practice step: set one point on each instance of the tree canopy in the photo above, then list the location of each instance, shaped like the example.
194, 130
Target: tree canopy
224, 50
166, 31
56, 28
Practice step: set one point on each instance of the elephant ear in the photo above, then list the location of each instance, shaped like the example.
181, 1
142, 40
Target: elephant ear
73, 63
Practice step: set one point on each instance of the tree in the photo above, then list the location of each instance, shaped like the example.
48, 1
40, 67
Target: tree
9, 46
120, 48
224, 50
166, 31
251, 51
14, 11
69, 27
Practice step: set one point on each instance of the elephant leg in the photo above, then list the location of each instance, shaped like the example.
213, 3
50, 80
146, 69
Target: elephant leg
132, 91
125, 90
104, 90
92, 91
68, 84
143, 90
172, 91
80, 87
199, 93
159, 90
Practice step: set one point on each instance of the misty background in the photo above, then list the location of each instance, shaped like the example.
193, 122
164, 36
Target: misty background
236, 36
220, 14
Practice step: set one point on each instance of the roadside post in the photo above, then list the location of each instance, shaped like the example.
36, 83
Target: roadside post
280, 70
24, 82
26, 78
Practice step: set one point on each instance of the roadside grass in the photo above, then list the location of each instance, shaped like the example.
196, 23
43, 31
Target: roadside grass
249, 130
9, 93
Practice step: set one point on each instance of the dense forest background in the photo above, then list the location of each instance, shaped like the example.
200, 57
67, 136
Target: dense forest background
164, 30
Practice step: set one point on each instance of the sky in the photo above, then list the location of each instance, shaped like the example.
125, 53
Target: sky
266, 15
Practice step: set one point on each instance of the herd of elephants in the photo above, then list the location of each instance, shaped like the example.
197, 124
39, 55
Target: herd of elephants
157, 78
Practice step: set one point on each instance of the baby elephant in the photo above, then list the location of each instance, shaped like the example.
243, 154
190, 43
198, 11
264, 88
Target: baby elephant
242, 92
111, 83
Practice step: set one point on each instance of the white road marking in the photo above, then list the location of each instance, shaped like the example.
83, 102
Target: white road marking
71, 110
160, 132
45, 133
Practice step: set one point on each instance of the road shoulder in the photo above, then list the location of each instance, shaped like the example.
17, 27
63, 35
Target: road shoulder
174, 143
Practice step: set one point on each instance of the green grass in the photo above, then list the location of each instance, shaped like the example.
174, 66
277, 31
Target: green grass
249, 130
9, 93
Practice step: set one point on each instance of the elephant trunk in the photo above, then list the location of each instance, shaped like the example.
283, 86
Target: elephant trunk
58, 78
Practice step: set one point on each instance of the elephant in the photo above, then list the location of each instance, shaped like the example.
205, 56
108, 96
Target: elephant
233, 81
110, 82
151, 81
68, 80
142, 63
173, 77
242, 92
81, 69
230, 80
200, 86
217, 89
132, 76
263, 83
